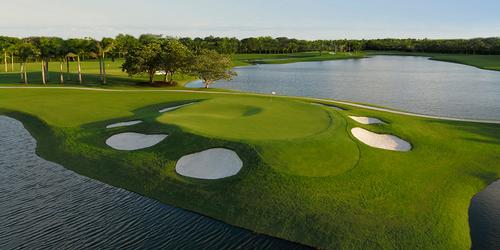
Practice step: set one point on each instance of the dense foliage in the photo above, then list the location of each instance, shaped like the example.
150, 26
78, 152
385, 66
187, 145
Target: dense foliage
150, 53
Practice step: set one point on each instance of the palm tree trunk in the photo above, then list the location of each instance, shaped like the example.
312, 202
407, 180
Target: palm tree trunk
100, 68
25, 74
79, 70
103, 69
43, 72
12, 62
47, 76
21, 71
62, 71
68, 76
5, 61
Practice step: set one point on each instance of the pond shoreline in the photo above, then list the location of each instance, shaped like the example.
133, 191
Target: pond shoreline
201, 220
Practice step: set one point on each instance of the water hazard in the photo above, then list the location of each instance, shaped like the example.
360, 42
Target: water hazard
413, 84
45, 206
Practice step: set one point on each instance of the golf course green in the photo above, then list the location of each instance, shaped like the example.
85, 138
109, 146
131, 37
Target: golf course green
304, 178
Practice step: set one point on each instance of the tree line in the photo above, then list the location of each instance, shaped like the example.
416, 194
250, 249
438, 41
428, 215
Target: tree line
148, 54
171, 55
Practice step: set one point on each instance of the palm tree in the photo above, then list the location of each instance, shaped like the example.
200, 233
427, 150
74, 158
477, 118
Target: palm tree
103, 47
6, 46
78, 47
25, 52
61, 54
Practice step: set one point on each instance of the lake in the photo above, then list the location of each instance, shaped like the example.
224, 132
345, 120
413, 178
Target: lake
407, 83
45, 206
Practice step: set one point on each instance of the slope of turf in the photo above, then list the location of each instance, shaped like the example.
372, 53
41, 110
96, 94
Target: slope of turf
319, 187
488, 62
230, 117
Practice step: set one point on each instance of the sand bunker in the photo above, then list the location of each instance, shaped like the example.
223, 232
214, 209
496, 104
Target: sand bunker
366, 120
134, 141
174, 108
123, 124
215, 163
389, 142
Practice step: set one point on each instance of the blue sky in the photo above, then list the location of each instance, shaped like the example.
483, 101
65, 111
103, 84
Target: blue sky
306, 19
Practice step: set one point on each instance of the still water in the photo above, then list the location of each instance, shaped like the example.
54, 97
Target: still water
45, 206
413, 84
484, 218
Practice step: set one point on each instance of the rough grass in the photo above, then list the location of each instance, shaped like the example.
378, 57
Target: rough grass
488, 62
324, 189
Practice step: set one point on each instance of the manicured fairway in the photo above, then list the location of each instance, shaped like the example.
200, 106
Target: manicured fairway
304, 177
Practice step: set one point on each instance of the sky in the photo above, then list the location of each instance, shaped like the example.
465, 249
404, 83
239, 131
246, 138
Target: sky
303, 19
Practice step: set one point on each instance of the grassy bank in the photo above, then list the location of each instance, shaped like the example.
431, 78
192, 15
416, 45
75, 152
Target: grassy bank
488, 62
248, 59
305, 178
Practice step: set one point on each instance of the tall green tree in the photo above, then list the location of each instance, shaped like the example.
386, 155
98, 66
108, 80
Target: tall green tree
26, 51
123, 44
174, 57
78, 47
145, 58
210, 66
47, 48
61, 54
104, 46
7, 46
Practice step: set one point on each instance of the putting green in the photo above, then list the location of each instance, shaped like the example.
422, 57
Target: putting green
250, 118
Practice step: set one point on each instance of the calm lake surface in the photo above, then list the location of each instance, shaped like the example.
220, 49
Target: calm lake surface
484, 218
413, 84
45, 206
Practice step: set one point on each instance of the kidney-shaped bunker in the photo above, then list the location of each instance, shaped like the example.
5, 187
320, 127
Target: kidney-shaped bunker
215, 163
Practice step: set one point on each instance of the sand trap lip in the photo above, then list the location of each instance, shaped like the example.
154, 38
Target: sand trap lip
174, 108
134, 141
388, 142
123, 124
366, 120
211, 164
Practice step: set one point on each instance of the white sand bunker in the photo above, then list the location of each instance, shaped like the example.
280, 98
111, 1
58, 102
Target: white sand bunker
123, 124
174, 108
389, 142
134, 141
366, 120
215, 163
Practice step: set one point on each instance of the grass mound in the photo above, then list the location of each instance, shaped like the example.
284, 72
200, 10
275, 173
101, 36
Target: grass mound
250, 119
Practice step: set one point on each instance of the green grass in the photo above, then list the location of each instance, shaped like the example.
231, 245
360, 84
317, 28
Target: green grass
248, 59
304, 177
488, 62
